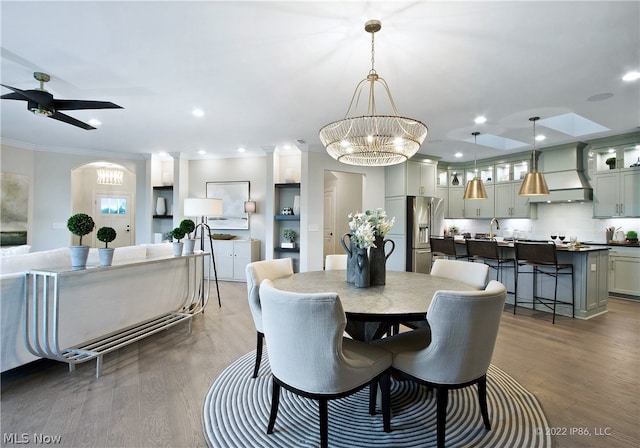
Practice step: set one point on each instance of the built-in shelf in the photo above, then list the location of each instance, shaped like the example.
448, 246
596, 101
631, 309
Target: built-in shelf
286, 249
287, 218
162, 216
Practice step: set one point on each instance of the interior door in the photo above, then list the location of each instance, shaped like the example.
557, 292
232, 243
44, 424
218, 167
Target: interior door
329, 246
114, 210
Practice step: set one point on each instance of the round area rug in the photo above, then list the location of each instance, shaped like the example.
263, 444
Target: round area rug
236, 413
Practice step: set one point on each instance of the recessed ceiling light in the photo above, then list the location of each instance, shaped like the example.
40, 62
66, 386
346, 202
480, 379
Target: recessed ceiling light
631, 76
458, 154
202, 151
94, 122
241, 150
540, 138
480, 120
197, 112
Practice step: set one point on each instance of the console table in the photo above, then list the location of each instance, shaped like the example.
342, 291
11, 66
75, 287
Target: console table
75, 316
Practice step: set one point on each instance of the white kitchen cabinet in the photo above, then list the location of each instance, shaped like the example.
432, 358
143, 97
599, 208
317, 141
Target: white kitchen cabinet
480, 208
616, 193
232, 256
624, 266
411, 179
509, 204
456, 203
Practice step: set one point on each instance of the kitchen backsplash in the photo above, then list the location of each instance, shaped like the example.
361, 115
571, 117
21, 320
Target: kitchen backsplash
575, 219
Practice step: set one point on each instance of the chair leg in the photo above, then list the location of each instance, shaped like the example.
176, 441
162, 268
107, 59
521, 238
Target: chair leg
442, 398
385, 391
324, 423
260, 339
482, 400
373, 395
275, 401
555, 298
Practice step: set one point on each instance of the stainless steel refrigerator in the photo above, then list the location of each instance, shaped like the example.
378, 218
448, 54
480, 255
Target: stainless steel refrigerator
425, 218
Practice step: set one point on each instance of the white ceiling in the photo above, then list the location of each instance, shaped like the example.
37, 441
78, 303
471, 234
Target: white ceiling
269, 73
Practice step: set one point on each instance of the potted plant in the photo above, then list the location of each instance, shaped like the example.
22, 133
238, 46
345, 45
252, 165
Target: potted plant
453, 231
80, 225
106, 235
632, 236
611, 161
177, 234
189, 243
290, 235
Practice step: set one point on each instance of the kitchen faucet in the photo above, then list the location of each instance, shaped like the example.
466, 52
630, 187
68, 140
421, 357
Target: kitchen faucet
491, 234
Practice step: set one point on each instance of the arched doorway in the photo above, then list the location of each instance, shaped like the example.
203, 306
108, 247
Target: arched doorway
105, 191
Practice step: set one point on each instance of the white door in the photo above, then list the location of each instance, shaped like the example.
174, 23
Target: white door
329, 222
114, 210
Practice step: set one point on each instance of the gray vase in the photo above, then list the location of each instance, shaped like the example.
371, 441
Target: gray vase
106, 255
79, 255
351, 260
361, 278
378, 260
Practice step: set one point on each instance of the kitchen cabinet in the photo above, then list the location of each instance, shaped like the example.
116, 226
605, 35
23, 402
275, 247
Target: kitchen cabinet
411, 179
456, 203
232, 256
624, 266
616, 193
480, 208
509, 204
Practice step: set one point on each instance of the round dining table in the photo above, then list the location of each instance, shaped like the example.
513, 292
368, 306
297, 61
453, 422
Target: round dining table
372, 311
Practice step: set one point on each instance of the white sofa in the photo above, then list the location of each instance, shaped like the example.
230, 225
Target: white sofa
90, 305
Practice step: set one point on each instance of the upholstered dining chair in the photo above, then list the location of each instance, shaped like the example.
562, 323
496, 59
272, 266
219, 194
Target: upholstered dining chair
456, 353
335, 261
255, 273
310, 357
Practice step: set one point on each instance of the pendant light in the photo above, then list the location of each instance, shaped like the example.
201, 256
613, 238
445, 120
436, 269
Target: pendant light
475, 188
534, 183
373, 139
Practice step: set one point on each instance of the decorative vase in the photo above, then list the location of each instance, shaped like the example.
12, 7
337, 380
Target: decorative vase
106, 255
189, 246
378, 260
296, 205
161, 206
361, 278
609, 236
177, 248
455, 180
350, 250
79, 255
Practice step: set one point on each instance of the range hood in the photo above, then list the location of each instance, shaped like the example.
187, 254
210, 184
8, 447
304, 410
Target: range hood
563, 170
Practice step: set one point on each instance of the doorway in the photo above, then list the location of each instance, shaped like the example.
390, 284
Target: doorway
113, 210
342, 196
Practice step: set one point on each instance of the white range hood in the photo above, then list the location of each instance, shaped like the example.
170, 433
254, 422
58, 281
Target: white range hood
563, 170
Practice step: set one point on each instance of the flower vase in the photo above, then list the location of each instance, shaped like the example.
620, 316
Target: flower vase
378, 260
361, 278
161, 207
350, 250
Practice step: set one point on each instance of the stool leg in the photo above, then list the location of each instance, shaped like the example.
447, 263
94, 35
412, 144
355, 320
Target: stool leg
516, 272
555, 298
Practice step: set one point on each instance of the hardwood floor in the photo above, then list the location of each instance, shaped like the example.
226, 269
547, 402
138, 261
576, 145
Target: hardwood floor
584, 373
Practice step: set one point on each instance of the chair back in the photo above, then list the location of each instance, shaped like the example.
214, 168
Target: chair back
484, 249
304, 335
335, 261
537, 253
258, 271
464, 328
474, 274
443, 246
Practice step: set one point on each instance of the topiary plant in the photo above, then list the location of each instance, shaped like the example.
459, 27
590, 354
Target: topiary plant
80, 225
632, 235
106, 235
177, 234
188, 226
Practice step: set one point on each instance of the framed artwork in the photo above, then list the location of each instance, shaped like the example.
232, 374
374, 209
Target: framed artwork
233, 195
14, 209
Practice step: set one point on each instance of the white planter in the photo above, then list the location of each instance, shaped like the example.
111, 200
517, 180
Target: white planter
79, 255
106, 255
189, 245
177, 248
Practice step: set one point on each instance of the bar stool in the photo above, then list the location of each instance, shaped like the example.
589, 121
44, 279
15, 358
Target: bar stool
490, 254
543, 258
446, 247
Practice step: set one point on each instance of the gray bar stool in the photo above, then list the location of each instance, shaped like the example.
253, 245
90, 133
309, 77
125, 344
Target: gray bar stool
490, 254
446, 247
543, 258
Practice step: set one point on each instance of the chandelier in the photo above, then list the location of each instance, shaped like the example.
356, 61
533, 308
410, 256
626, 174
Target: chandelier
372, 139
475, 189
534, 183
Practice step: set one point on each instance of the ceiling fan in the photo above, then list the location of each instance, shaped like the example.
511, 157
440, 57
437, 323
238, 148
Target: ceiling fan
41, 102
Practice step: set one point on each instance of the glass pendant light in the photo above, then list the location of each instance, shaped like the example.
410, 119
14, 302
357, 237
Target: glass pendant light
534, 183
475, 188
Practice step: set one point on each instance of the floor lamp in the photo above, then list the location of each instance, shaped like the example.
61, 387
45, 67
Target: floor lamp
204, 207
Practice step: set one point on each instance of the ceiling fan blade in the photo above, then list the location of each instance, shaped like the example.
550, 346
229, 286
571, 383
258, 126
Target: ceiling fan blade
70, 120
14, 96
41, 97
81, 104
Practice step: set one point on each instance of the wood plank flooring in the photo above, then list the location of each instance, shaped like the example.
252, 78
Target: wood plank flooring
584, 373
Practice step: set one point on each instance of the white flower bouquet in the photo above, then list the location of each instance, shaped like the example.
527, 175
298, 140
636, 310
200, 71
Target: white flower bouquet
366, 226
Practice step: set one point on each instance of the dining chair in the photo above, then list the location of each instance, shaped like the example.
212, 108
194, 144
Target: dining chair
489, 253
335, 261
255, 273
457, 350
310, 357
474, 274
543, 259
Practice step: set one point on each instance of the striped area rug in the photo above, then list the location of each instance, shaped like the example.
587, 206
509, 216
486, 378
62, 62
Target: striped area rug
236, 413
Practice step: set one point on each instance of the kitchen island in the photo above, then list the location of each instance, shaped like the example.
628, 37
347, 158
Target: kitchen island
591, 280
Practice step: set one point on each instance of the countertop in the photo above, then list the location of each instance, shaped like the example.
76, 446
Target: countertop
561, 247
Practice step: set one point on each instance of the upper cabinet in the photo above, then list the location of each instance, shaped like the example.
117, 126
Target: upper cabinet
617, 181
413, 178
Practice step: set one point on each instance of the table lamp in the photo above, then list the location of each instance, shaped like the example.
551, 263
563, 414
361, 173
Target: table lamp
204, 207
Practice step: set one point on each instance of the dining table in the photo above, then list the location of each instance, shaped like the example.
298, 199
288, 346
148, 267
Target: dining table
372, 311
